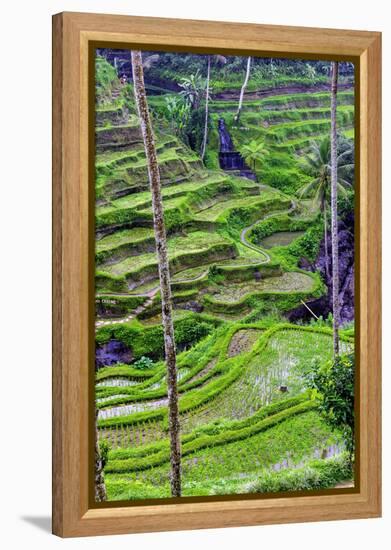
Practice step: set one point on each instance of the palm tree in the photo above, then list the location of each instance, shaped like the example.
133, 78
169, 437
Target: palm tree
203, 148
164, 273
222, 60
178, 111
193, 89
334, 210
244, 86
254, 152
317, 165
310, 71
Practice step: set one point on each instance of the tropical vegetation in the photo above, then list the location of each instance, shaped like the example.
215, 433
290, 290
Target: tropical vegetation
224, 275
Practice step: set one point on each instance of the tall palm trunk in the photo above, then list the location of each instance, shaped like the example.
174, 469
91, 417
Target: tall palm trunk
326, 242
237, 116
164, 273
334, 211
100, 488
206, 111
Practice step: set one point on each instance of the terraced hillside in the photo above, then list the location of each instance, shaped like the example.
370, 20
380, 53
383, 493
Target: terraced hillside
248, 424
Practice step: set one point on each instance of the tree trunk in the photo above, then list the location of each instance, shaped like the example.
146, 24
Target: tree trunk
100, 488
206, 111
164, 274
334, 211
237, 116
326, 243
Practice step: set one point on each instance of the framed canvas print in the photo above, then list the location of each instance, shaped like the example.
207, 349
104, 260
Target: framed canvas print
216, 274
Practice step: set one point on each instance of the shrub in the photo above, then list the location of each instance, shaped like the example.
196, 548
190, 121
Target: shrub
334, 381
144, 363
104, 448
188, 332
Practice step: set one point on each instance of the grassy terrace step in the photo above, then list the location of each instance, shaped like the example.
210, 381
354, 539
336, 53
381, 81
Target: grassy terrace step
221, 210
112, 306
282, 222
143, 198
131, 242
184, 251
125, 371
233, 297
127, 134
294, 147
230, 370
121, 184
285, 102
198, 191
345, 113
247, 271
110, 160
299, 115
142, 458
278, 358
296, 130
285, 131
110, 114
247, 466
132, 236
177, 208
134, 178
189, 274
176, 212
151, 393
285, 282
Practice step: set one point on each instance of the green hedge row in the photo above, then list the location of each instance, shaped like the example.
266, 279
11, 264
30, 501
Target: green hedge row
123, 371
253, 299
229, 370
183, 261
202, 441
280, 222
239, 273
109, 305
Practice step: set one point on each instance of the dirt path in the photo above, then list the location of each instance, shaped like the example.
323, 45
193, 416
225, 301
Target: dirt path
244, 232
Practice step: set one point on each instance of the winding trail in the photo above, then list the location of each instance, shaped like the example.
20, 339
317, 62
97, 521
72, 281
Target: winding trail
252, 246
150, 295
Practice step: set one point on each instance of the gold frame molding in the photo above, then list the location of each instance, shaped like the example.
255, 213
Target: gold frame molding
73, 34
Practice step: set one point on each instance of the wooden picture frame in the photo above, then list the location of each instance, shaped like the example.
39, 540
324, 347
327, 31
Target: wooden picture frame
73, 33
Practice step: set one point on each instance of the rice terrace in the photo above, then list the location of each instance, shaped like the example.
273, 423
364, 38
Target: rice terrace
254, 160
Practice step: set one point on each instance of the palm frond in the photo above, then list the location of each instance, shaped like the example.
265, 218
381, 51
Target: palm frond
342, 189
308, 188
150, 60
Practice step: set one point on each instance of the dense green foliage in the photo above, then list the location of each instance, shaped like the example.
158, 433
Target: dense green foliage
334, 381
262, 406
